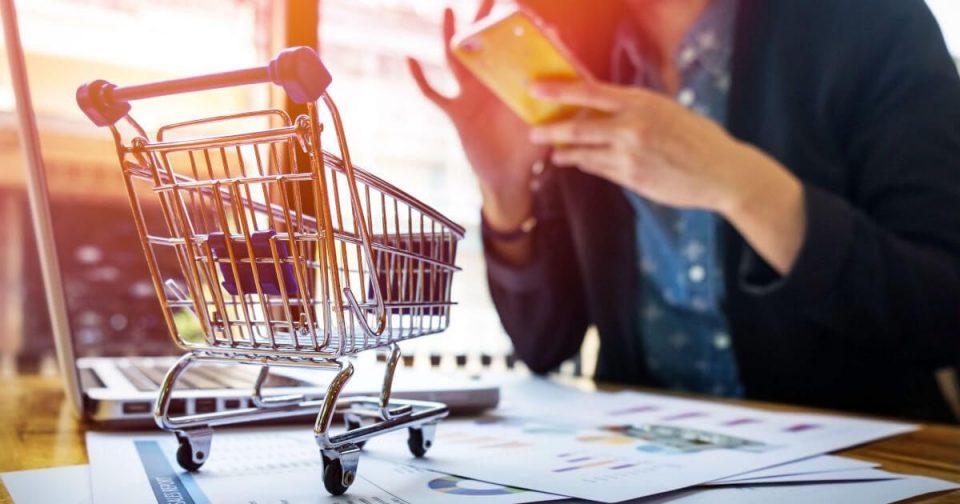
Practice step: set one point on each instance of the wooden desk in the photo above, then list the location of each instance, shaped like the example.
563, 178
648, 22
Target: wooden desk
37, 430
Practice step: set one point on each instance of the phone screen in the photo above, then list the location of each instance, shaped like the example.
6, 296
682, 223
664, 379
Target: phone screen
509, 53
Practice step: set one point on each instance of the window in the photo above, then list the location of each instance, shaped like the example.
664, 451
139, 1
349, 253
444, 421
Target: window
396, 133
112, 305
947, 13
123, 41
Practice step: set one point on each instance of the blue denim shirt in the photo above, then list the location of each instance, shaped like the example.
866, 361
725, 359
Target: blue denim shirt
684, 330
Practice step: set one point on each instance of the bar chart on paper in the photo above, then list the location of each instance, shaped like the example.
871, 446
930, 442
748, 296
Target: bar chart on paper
613, 447
250, 467
261, 466
719, 416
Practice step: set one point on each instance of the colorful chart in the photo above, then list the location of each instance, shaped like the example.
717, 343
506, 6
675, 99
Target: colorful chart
529, 427
541, 428
803, 427
634, 409
607, 439
740, 421
576, 461
497, 420
654, 448
672, 439
507, 444
485, 442
684, 416
460, 486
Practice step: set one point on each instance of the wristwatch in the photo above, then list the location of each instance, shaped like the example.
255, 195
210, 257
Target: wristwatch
527, 226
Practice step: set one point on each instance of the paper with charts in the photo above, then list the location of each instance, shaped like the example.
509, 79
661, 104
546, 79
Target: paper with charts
613, 447
266, 466
71, 485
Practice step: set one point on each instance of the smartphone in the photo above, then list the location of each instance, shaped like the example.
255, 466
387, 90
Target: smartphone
510, 52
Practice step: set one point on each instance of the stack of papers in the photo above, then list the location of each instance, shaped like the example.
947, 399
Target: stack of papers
615, 447
547, 443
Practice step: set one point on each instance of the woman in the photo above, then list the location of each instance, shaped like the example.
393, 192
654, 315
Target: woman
769, 207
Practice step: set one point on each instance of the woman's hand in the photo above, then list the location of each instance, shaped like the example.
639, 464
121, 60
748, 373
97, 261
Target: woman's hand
652, 145
494, 139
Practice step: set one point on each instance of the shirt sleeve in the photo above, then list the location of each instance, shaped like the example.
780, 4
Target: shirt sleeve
541, 303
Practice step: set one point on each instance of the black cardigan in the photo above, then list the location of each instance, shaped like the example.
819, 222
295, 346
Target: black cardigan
861, 100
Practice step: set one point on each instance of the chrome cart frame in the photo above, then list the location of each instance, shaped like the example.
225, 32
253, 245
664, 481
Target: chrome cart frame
264, 277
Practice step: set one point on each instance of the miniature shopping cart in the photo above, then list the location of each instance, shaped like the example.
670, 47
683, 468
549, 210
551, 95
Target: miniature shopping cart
287, 256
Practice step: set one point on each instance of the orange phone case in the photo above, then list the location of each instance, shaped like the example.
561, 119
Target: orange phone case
509, 53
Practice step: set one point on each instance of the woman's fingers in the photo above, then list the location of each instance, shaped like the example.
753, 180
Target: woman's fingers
596, 160
600, 161
484, 10
576, 132
416, 70
449, 28
591, 95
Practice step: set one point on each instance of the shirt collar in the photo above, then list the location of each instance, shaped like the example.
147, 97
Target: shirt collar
708, 43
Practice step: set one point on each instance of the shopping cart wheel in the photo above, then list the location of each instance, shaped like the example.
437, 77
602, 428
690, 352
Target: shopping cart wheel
185, 456
420, 440
354, 423
335, 479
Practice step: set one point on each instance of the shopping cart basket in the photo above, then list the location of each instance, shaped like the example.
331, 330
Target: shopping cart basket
281, 263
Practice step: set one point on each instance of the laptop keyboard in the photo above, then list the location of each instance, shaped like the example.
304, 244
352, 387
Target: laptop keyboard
147, 378
89, 379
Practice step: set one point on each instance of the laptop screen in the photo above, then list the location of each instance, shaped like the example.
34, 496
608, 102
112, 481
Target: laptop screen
112, 305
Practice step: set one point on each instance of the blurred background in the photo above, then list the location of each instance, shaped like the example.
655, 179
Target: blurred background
392, 131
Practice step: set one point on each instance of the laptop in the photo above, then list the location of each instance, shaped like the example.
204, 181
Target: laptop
120, 391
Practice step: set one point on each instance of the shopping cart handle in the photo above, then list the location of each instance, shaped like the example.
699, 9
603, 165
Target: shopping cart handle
298, 70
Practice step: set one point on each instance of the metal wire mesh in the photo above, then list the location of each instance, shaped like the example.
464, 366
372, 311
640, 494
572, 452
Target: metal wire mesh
260, 270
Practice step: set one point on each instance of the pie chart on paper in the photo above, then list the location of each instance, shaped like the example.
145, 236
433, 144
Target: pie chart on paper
459, 486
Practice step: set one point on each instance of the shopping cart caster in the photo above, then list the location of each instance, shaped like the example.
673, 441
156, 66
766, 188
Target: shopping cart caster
194, 449
340, 469
421, 439
354, 423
